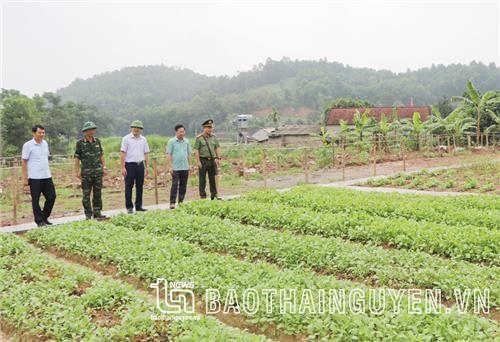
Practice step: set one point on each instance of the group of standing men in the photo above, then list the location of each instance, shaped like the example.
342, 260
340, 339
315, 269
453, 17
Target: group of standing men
90, 168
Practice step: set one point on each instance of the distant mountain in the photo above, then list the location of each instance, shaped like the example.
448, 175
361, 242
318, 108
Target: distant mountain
163, 96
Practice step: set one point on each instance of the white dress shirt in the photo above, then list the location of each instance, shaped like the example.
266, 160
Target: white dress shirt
37, 155
134, 147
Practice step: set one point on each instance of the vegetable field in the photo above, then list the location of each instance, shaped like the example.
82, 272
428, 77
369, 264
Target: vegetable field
90, 281
479, 178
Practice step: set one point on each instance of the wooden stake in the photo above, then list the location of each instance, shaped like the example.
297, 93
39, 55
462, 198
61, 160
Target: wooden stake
306, 165
264, 167
374, 159
402, 146
155, 175
333, 155
468, 141
242, 162
14, 191
343, 161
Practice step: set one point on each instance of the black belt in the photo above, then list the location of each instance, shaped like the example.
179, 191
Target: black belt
207, 158
135, 163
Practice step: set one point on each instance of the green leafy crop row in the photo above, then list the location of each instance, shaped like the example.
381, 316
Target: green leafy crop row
462, 243
149, 257
48, 299
378, 266
439, 209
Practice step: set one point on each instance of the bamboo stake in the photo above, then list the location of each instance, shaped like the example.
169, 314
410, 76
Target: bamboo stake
155, 175
14, 193
402, 147
264, 167
343, 161
333, 155
374, 159
306, 165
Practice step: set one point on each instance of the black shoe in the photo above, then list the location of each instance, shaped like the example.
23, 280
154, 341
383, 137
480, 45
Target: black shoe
41, 224
88, 217
100, 217
47, 222
217, 198
140, 209
130, 210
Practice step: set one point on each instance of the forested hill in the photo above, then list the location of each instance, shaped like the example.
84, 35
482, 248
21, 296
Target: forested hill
163, 95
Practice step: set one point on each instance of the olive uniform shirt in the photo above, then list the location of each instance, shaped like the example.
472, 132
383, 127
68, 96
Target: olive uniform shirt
203, 145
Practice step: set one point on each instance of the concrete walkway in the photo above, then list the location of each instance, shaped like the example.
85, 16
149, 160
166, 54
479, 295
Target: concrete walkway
349, 184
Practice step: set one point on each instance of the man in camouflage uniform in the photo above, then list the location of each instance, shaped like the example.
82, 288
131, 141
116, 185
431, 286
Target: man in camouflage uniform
90, 154
207, 152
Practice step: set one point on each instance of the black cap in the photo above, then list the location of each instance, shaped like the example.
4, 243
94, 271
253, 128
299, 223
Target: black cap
208, 123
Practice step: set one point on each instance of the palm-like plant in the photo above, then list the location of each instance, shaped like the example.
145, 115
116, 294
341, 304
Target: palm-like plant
325, 136
454, 125
361, 122
275, 117
382, 128
417, 127
476, 103
345, 131
496, 126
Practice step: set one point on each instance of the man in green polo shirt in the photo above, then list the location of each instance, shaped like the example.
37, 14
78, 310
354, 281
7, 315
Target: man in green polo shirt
90, 154
207, 153
179, 158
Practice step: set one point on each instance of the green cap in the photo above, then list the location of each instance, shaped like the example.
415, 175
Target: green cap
88, 125
208, 123
137, 124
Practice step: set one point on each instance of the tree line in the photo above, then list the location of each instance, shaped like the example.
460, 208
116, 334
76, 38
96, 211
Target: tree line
61, 119
162, 96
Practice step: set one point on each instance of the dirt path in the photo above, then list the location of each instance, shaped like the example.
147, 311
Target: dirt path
4, 337
323, 176
363, 171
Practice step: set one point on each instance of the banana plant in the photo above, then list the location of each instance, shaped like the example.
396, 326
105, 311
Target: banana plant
325, 136
345, 131
496, 126
417, 127
475, 103
275, 117
382, 129
361, 122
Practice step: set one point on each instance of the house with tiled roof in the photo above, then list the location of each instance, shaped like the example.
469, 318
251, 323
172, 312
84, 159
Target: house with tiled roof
347, 114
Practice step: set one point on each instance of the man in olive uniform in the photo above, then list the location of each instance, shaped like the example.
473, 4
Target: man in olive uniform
207, 152
90, 154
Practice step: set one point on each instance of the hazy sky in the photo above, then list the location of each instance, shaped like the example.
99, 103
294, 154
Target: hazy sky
46, 45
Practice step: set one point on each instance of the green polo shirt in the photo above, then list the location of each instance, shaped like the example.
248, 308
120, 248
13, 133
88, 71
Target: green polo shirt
180, 151
203, 145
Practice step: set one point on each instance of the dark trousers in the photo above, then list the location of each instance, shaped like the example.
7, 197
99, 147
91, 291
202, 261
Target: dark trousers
46, 187
135, 174
92, 183
179, 184
208, 166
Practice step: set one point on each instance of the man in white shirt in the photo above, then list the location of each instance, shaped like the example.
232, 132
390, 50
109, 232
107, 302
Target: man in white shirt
36, 175
134, 161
